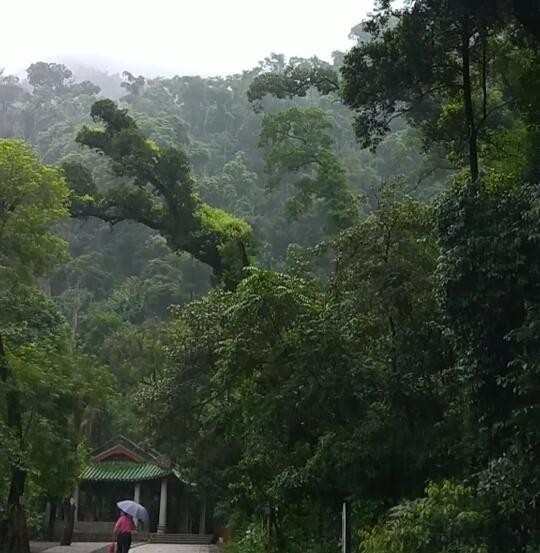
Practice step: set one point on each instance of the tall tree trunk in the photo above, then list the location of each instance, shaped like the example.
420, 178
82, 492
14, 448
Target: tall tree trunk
52, 519
17, 532
69, 522
467, 98
280, 545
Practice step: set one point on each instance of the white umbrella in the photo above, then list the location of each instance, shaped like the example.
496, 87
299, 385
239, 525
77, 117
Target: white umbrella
134, 509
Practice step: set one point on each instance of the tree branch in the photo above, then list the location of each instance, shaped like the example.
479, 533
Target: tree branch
490, 112
115, 218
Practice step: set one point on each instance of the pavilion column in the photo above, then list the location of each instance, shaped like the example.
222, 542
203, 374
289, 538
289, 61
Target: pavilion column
162, 524
202, 517
137, 492
137, 498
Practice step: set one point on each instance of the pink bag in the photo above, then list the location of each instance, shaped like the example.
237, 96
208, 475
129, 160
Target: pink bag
111, 548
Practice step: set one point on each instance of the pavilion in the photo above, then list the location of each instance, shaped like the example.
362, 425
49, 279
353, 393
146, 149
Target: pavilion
124, 470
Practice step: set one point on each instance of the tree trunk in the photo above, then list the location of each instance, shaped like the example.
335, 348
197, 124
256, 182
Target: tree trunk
52, 520
69, 522
17, 532
269, 529
279, 543
467, 99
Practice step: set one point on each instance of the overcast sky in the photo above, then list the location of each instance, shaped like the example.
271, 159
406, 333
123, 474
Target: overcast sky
173, 36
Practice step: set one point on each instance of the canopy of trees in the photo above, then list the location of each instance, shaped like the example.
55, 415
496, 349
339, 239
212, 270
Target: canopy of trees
321, 279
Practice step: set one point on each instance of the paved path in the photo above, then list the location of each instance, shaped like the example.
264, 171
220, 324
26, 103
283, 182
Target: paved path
75, 547
38, 546
102, 547
174, 548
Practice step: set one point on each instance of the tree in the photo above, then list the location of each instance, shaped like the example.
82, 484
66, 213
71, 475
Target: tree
283, 391
236, 188
10, 91
488, 274
32, 198
170, 207
53, 77
298, 145
438, 64
451, 517
133, 85
296, 78
436, 53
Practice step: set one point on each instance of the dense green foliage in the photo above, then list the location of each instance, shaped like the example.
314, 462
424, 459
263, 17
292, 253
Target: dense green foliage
171, 207
47, 385
308, 283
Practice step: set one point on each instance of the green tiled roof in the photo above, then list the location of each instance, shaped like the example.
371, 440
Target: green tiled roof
120, 471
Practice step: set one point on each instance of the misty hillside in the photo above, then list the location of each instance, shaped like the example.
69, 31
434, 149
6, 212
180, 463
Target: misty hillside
305, 293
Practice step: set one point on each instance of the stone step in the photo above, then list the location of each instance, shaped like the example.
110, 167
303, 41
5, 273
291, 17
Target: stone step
144, 537
196, 539
175, 548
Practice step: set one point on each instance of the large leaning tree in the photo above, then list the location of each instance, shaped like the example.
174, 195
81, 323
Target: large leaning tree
155, 188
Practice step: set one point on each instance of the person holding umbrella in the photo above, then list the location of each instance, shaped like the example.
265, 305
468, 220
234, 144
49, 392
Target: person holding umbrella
125, 526
122, 532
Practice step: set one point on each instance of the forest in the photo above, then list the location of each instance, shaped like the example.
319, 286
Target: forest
309, 283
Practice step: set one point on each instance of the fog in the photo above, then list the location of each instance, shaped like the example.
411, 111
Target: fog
207, 37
